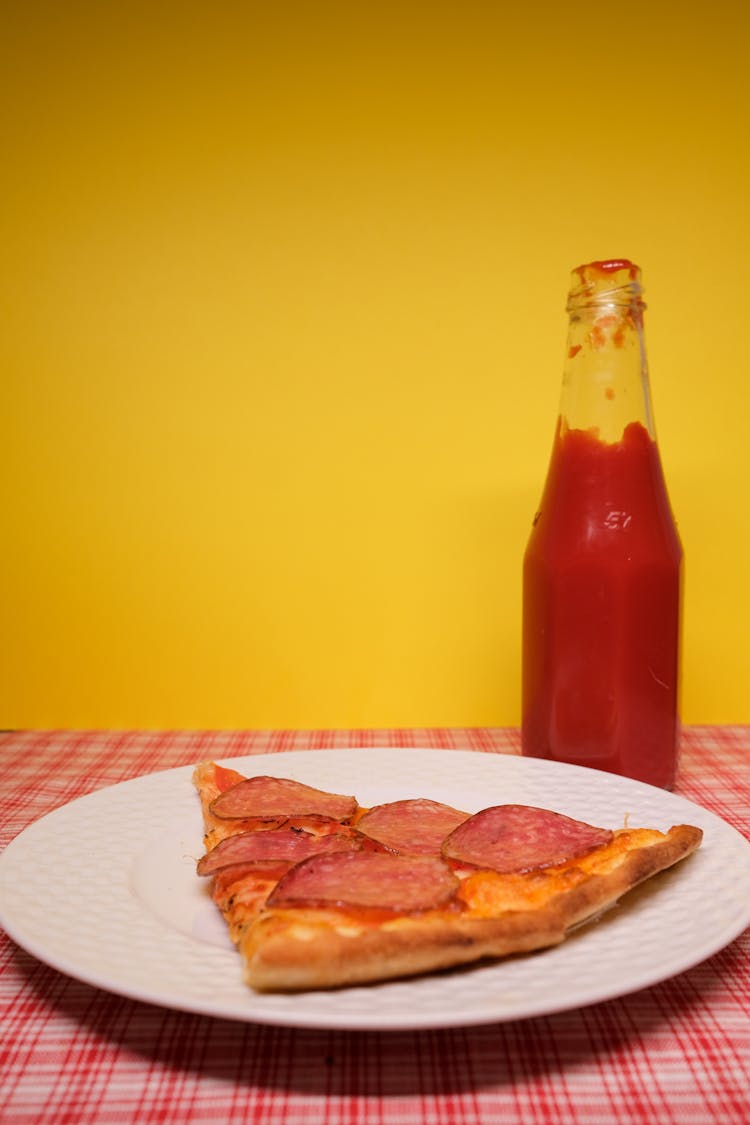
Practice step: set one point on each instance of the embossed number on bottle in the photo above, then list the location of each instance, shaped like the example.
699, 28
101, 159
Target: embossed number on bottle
618, 521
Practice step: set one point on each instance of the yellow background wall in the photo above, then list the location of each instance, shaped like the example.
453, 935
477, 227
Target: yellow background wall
282, 332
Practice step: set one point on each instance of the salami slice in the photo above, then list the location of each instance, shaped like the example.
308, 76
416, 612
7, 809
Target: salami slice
415, 827
289, 845
268, 797
367, 879
263, 873
519, 838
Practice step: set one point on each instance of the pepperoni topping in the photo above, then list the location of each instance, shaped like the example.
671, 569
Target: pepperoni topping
289, 845
271, 797
517, 838
367, 879
415, 827
264, 873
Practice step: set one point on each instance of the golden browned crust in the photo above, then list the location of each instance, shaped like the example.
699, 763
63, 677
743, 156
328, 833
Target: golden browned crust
292, 950
204, 780
289, 954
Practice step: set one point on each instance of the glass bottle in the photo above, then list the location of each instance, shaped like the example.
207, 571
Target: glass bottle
603, 566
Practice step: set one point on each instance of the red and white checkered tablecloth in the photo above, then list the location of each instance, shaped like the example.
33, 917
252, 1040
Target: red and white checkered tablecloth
674, 1053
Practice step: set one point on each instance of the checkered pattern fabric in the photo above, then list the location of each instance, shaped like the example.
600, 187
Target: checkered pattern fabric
674, 1054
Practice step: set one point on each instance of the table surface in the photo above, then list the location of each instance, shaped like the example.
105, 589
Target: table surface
677, 1052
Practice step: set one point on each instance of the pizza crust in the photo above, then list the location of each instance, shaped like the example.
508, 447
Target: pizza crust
288, 950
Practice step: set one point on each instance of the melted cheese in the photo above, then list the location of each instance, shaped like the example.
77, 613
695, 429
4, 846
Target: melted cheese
487, 894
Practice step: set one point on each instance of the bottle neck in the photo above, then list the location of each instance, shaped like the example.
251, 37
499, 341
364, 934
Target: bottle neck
605, 383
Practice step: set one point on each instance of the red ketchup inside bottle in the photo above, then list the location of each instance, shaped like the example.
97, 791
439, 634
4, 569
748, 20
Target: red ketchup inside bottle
601, 620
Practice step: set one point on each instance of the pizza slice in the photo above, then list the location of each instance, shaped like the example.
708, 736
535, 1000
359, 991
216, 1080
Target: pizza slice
319, 892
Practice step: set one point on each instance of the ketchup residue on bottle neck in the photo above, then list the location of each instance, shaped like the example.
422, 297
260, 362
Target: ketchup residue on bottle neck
610, 265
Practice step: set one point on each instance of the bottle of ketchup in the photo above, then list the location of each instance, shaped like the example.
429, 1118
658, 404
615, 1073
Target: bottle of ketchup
602, 570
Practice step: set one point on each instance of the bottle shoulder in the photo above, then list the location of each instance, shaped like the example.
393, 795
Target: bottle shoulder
602, 497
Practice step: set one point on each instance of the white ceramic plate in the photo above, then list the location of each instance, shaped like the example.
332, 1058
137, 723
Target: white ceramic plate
104, 889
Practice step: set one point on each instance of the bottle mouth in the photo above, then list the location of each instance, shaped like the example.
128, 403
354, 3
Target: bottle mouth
613, 282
